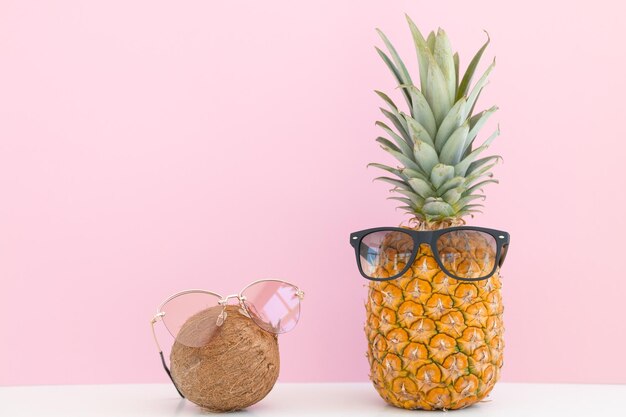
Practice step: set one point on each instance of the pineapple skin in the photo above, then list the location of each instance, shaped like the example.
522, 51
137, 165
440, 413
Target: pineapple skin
434, 342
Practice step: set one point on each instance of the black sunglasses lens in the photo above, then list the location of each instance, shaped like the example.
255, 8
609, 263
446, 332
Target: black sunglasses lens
467, 254
385, 254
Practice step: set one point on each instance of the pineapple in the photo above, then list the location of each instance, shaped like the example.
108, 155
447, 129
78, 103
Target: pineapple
435, 342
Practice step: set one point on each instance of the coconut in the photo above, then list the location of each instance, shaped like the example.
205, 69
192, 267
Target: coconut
236, 365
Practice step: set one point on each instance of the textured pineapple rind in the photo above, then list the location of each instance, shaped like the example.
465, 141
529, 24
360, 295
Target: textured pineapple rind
434, 342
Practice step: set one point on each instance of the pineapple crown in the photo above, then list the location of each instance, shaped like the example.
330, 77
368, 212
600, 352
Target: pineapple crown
441, 174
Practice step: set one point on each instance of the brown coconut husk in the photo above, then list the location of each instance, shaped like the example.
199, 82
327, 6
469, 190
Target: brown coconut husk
236, 367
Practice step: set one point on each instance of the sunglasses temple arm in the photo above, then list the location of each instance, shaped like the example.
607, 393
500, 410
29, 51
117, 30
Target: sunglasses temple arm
167, 370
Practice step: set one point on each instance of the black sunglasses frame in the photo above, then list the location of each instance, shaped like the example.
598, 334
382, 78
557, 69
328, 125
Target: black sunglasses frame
430, 237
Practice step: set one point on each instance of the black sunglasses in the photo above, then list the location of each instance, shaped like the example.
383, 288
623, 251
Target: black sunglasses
465, 253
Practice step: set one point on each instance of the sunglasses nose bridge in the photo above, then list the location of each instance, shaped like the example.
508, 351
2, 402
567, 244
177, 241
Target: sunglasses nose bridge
422, 248
224, 301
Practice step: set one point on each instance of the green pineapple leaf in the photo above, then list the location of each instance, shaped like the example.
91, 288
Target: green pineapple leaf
481, 184
399, 123
454, 119
410, 173
425, 156
406, 201
471, 68
455, 57
394, 171
436, 91
417, 132
445, 60
437, 209
471, 99
402, 71
453, 149
450, 184
422, 50
461, 167
404, 160
479, 163
421, 111
396, 183
440, 174
403, 146
453, 195
394, 71
476, 123
421, 187
416, 199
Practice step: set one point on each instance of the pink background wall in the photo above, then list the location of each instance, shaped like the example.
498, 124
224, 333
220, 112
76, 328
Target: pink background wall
139, 141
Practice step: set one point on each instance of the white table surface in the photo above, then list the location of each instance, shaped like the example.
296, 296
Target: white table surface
336, 399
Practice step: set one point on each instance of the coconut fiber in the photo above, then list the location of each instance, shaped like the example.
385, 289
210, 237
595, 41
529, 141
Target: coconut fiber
235, 367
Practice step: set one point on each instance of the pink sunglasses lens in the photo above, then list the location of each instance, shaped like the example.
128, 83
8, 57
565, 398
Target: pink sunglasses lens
273, 305
191, 317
